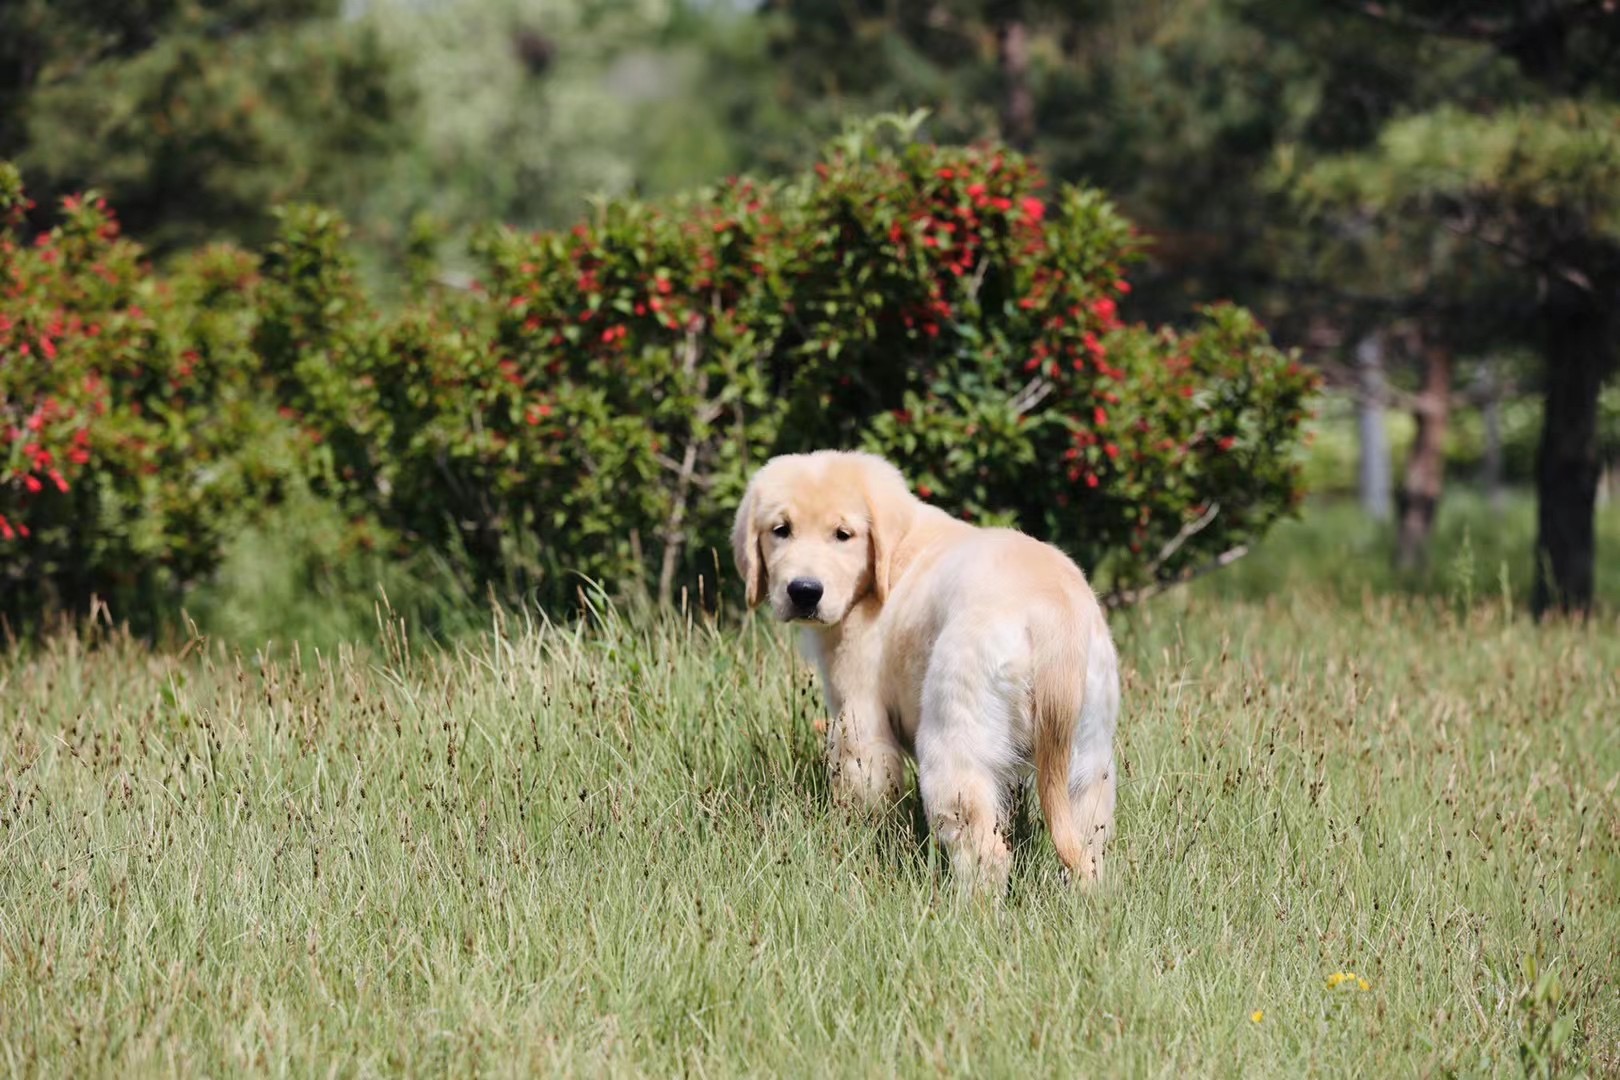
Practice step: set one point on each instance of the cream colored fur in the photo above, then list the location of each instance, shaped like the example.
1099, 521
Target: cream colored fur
980, 652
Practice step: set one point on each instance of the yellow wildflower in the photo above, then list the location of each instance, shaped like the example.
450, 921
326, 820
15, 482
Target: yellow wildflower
1339, 978
1257, 1016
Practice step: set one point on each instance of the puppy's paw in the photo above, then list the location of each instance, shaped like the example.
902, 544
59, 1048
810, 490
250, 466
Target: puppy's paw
866, 778
1086, 877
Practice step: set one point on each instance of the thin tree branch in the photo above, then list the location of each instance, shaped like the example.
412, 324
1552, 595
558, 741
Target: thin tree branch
1501, 33
1569, 274
1120, 598
674, 541
1034, 392
1187, 532
1346, 379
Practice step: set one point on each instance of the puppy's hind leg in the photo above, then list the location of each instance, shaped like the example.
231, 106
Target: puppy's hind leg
963, 805
966, 761
1091, 797
1093, 776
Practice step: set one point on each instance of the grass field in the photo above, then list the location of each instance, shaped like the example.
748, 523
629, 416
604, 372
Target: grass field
611, 851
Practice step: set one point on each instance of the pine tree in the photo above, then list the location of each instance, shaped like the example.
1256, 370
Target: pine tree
1529, 183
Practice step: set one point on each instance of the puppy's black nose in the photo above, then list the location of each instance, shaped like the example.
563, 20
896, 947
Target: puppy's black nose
805, 593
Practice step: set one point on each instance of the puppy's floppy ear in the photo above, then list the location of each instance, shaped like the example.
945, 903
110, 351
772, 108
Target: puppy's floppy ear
890, 508
745, 548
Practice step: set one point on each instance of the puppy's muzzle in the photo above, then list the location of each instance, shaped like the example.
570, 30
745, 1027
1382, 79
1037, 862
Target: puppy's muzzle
804, 594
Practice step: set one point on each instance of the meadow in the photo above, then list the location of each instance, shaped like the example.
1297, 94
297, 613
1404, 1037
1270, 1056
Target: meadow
1358, 834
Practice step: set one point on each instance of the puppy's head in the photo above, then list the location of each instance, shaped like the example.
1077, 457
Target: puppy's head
814, 533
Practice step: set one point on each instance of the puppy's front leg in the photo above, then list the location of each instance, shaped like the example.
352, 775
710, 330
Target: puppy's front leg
865, 767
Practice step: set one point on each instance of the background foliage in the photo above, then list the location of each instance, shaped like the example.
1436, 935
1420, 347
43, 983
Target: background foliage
1428, 175
131, 433
593, 407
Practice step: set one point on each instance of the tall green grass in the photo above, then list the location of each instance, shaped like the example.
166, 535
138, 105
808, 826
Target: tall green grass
608, 849
298, 577
1477, 553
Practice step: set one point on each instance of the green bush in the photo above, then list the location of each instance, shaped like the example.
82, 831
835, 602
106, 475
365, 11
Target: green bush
597, 404
593, 407
125, 402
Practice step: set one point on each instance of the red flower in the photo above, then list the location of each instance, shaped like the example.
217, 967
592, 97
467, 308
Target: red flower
1099, 416
1225, 442
1034, 209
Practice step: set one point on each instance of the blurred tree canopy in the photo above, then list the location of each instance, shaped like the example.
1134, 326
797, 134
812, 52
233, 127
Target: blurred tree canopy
526, 110
198, 116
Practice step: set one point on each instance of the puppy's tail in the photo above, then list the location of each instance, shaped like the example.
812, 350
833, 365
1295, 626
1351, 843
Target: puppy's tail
1059, 645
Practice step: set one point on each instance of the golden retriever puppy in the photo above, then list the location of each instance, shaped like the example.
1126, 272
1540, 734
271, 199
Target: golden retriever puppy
982, 652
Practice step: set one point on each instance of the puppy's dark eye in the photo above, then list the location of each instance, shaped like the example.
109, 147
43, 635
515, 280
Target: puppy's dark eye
843, 534
782, 531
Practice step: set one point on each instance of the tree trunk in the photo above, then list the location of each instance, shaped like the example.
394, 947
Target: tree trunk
1376, 498
1426, 468
1491, 467
1012, 55
1567, 464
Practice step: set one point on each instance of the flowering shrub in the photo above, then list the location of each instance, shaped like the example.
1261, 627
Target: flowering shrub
1019, 395
597, 404
123, 401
